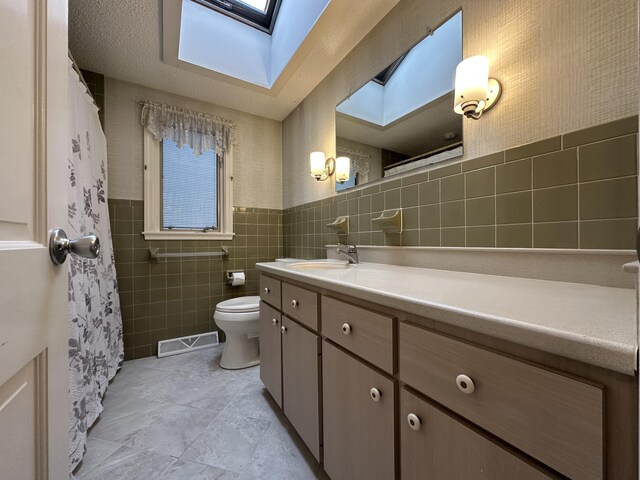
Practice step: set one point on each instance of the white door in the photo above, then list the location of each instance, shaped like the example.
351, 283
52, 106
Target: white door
33, 292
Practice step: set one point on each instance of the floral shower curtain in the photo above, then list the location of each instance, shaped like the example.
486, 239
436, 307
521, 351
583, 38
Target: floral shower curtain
95, 322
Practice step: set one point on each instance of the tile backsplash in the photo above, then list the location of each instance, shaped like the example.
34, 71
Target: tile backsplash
175, 297
575, 191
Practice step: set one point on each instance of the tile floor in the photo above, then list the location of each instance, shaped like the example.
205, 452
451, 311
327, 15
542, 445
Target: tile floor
183, 417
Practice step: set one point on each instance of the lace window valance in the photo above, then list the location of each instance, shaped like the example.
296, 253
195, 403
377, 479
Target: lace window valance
200, 131
360, 162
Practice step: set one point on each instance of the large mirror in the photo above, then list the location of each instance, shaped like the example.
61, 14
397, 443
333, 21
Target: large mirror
403, 118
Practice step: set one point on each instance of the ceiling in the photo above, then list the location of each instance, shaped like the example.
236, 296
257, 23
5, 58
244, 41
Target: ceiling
123, 40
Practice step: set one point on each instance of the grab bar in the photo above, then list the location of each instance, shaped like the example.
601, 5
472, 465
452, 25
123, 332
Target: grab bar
153, 253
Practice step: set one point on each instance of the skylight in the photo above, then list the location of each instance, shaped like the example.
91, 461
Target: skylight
260, 5
260, 14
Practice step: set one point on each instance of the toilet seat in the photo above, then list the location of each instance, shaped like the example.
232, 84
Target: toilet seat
239, 305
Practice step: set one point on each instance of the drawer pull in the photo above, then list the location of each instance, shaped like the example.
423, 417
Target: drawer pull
274, 321
283, 329
375, 394
266, 290
465, 384
414, 421
294, 303
346, 329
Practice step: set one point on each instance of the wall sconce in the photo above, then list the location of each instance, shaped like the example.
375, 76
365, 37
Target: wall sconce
321, 168
343, 166
475, 91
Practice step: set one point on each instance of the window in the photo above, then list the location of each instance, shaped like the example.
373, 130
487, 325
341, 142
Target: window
260, 14
189, 188
187, 197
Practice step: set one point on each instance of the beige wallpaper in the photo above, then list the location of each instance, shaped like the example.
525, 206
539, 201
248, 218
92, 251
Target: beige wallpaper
257, 162
564, 65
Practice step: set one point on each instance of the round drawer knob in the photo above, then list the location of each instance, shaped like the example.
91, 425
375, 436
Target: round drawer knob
266, 290
294, 303
346, 329
375, 394
465, 384
283, 329
414, 421
274, 321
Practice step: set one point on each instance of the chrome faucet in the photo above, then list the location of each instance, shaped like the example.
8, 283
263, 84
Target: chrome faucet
349, 251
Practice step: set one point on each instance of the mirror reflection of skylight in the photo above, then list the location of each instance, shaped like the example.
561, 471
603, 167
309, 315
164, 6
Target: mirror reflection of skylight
260, 5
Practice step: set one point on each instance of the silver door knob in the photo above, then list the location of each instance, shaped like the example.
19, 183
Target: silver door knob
414, 421
266, 290
274, 321
87, 246
375, 394
346, 329
465, 384
283, 329
294, 303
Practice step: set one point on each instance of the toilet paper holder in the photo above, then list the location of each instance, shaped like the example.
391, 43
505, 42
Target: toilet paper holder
229, 276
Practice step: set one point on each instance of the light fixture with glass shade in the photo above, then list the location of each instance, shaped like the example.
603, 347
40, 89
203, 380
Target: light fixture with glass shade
321, 167
343, 165
475, 92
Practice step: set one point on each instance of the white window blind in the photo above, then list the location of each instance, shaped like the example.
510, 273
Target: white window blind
189, 188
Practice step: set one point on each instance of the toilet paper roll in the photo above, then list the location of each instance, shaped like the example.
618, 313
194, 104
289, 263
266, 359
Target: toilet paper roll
237, 279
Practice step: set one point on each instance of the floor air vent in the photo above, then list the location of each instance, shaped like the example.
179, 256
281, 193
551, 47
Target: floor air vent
191, 343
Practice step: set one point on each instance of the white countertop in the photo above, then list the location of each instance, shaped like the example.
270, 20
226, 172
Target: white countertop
592, 324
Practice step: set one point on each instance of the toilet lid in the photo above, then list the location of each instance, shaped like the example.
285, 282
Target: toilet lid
239, 305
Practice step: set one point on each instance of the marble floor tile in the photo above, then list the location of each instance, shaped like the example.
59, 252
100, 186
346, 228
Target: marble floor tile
184, 470
167, 429
131, 464
228, 443
183, 417
281, 455
98, 450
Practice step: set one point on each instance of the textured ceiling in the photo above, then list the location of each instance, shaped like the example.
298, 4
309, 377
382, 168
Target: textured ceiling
123, 39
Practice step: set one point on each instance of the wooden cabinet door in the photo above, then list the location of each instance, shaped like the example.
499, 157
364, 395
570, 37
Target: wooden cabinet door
301, 382
436, 446
358, 431
270, 351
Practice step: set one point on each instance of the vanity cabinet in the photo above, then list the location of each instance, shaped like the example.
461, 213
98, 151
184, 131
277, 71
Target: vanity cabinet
301, 382
435, 445
358, 418
378, 393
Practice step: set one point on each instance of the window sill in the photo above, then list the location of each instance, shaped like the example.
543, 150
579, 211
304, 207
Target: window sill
187, 236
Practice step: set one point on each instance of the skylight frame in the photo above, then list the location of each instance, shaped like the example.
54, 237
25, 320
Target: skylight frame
263, 21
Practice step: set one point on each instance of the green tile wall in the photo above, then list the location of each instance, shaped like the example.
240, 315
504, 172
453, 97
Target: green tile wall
95, 82
176, 297
577, 190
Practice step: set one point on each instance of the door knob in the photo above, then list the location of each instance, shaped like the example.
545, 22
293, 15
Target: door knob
346, 329
283, 329
294, 303
274, 321
87, 246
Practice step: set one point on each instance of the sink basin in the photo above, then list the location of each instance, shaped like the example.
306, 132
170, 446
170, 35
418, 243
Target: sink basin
328, 264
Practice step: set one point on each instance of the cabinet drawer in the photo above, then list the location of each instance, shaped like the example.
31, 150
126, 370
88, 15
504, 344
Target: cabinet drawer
437, 446
553, 418
367, 334
301, 304
270, 290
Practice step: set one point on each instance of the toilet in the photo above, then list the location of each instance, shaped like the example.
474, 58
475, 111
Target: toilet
238, 319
